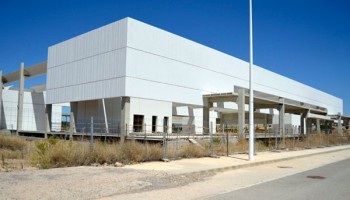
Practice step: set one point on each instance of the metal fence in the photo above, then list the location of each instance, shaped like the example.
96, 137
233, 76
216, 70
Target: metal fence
177, 142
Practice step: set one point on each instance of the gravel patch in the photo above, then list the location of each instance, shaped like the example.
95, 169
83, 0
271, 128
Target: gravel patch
87, 182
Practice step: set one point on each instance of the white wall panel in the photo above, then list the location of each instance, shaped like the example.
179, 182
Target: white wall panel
159, 42
89, 66
88, 91
161, 57
156, 68
102, 67
95, 42
276, 84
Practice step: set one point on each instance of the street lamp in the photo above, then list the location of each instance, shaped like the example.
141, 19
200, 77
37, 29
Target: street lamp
251, 94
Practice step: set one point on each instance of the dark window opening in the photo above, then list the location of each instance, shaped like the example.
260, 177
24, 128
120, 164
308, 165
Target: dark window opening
138, 123
154, 124
165, 124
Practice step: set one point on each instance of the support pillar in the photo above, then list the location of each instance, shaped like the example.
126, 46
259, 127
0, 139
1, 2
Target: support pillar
1, 84
281, 124
318, 126
241, 111
303, 122
48, 115
340, 126
125, 118
348, 127
206, 115
20, 99
72, 119
308, 126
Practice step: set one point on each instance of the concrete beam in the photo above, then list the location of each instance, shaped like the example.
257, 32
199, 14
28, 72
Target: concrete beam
20, 99
281, 123
125, 118
241, 111
1, 84
48, 115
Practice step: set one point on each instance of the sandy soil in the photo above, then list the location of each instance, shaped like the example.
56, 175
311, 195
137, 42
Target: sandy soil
173, 180
86, 182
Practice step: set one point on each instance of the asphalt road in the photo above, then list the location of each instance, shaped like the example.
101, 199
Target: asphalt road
331, 181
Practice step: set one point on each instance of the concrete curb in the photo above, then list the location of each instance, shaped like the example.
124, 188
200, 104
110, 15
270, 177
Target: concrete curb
240, 166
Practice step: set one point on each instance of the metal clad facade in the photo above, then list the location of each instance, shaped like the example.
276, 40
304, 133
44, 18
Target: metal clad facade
164, 66
131, 58
89, 66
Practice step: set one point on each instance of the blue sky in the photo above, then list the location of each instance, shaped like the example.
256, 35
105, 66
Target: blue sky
306, 40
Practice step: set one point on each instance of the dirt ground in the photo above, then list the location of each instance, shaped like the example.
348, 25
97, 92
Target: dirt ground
87, 182
173, 180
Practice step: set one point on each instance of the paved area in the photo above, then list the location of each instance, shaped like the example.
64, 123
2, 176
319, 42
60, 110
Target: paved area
181, 179
323, 183
232, 162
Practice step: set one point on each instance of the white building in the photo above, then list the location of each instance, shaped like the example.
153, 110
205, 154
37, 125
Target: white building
146, 75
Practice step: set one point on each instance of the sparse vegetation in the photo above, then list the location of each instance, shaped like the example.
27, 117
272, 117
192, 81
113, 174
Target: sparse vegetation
16, 152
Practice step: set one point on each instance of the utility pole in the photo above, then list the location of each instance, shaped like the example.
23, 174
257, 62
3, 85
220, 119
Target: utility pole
251, 94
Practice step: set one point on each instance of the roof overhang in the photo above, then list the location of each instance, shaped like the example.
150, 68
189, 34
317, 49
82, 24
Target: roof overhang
266, 101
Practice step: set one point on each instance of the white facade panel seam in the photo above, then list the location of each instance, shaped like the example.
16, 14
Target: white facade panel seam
86, 83
206, 92
186, 63
86, 58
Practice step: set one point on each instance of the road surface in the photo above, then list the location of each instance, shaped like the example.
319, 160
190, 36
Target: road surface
328, 182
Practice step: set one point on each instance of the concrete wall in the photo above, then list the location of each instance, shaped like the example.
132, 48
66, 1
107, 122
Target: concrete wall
149, 108
33, 111
94, 108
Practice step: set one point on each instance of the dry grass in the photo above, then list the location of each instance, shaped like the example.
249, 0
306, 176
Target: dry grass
15, 152
12, 143
193, 151
71, 153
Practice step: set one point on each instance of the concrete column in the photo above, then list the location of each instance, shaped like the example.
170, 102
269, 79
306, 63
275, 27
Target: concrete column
1, 84
206, 115
241, 111
348, 127
20, 99
281, 124
125, 118
302, 122
318, 126
72, 119
340, 126
48, 115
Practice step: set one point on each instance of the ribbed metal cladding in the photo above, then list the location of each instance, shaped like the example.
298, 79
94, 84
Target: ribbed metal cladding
89, 66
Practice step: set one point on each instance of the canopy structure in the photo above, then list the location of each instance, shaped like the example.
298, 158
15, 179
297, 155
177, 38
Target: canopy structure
20, 76
29, 72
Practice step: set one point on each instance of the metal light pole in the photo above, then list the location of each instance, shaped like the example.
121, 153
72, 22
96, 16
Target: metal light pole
251, 95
